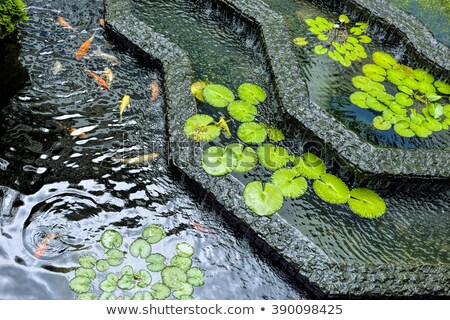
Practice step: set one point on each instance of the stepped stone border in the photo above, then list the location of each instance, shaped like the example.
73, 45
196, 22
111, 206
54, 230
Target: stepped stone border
320, 274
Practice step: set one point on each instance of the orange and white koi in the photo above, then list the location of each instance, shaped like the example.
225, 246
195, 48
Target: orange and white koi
44, 244
155, 91
107, 57
84, 48
71, 130
65, 24
101, 22
99, 79
108, 75
199, 227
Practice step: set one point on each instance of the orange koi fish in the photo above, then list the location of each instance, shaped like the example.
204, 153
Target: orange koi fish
85, 47
44, 244
65, 24
200, 228
99, 79
82, 134
101, 22
155, 91
108, 75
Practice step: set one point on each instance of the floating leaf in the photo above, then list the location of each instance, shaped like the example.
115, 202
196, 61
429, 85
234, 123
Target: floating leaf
436, 110
420, 130
396, 76
344, 19
186, 289
352, 40
397, 108
160, 291
381, 124
374, 72
173, 277
153, 233
218, 161
251, 93
410, 83
322, 37
252, 132
384, 60
106, 296
195, 276
87, 261
310, 166
112, 277
289, 183
434, 98
143, 278
365, 39
366, 203
102, 265
126, 282
115, 257
356, 31
111, 239
426, 88
404, 99
86, 296
127, 270
423, 76
197, 89
359, 99
140, 248
331, 189
201, 127
406, 90
246, 157
272, 157
300, 41
107, 286
184, 250
217, 95
181, 262
275, 134
85, 272
80, 284
319, 49
432, 125
242, 111
263, 202
374, 104
402, 129
442, 87
156, 262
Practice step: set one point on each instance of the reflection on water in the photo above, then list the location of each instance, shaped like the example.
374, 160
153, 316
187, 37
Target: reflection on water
55, 183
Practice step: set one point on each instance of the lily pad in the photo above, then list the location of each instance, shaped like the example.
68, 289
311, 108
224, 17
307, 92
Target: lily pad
359, 99
112, 277
252, 132
217, 95
384, 60
365, 39
197, 89
115, 257
272, 157
251, 93
263, 202
184, 250
160, 291
300, 41
275, 134
87, 261
126, 282
127, 270
320, 49
86, 296
102, 265
143, 278
402, 129
343, 18
289, 183
156, 262
195, 276
111, 239
374, 72
420, 130
80, 284
242, 111
331, 189
186, 289
153, 233
246, 157
201, 127
422, 75
310, 166
442, 87
140, 248
85, 272
404, 99
218, 161
374, 104
173, 277
366, 203
106, 296
107, 286
426, 88
381, 124
181, 262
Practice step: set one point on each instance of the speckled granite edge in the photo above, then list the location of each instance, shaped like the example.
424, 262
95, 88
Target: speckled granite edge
325, 277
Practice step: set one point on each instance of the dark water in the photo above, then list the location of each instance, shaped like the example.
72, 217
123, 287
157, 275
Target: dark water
51, 182
415, 227
329, 83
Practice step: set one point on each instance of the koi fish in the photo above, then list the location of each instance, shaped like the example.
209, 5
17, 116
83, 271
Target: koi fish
44, 244
65, 24
57, 67
99, 79
223, 124
155, 90
71, 130
123, 105
101, 22
199, 227
107, 57
140, 159
84, 48
108, 75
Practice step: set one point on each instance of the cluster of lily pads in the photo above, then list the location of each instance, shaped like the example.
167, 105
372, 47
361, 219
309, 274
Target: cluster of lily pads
411, 100
289, 178
178, 276
340, 41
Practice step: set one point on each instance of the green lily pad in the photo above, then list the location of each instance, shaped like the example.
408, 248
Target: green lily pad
403, 99
115, 257
343, 18
365, 39
86, 296
112, 277
442, 87
422, 75
381, 124
143, 278
398, 108
184, 250
127, 270
126, 282
319, 49
356, 31
300, 41
275, 134
140, 248
173, 277
402, 129
242, 111
352, 40
85, 272
384, 60
111, 239
102, 265
201, 127
106, 296
217, 95
432, 125
426, 88
387, 115
252, 132
322, 37
272, 157
153, 233
396, 76
331, 189
160, 291
195, 276
80, 284
406, 90
410, 83
186, 289
156, 262
366, 203
374, 72
218, 161
246, 157
436, 110
359, 99
384, 97
107, 286
420, 130
87, 261
263, 202
289, 183
181, 262
434, 97
251, 93
197, 89
310, 166
374, 104
446, 111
